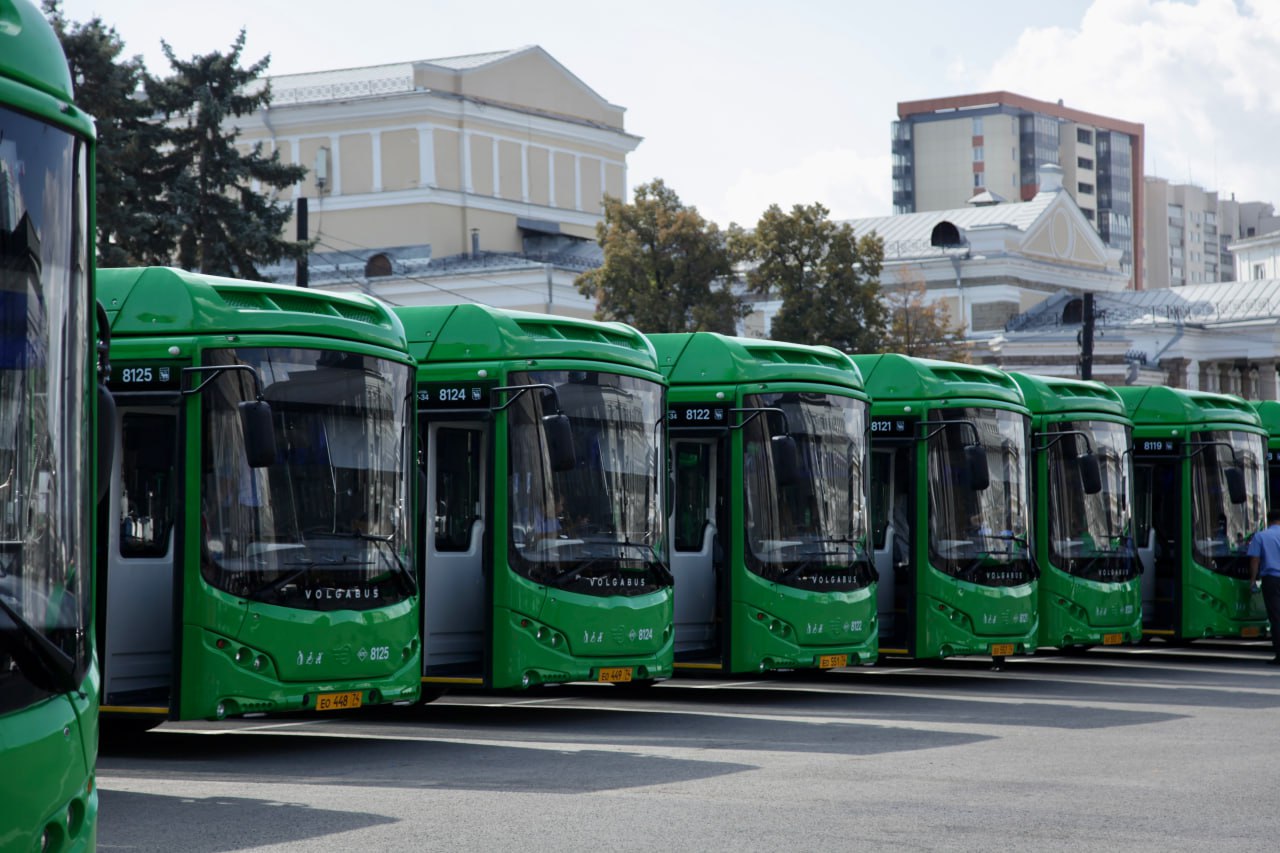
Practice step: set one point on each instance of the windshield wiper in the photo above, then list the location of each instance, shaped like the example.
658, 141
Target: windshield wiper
364, 537
46, 665
281, 582
570, 574
801, 566
403, 572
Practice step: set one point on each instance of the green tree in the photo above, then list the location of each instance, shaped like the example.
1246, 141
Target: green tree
131, 227
666, 269
223, 227
827, 278
918, 327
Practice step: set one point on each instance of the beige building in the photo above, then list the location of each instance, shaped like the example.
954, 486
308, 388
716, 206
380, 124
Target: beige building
468, 178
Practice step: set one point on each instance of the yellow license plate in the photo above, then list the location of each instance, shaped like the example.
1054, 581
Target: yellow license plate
338, 701
614, 674
1001, 650
1251, 631
831, 661
1112, 639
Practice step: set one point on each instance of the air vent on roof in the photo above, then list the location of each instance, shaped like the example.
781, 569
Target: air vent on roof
572, 332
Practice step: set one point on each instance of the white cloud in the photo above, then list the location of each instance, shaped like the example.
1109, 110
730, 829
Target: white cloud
1199, 76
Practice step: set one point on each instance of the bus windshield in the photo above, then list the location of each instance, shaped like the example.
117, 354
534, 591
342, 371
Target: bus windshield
327, 525
978, 510
1090, 535
592, 523
44, 443
806, 524
1228, 498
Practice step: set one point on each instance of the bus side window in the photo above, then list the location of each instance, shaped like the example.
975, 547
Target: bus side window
147, 468
458, 492
692, 499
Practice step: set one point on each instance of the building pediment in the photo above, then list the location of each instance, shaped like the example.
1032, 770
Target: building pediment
1061, 234
528, 77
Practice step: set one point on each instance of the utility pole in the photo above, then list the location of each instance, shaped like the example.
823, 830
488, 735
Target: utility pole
1086, 338
302, 275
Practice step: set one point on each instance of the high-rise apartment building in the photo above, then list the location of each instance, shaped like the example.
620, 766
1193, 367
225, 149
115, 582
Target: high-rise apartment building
1184, 243
947, 150
1189, 232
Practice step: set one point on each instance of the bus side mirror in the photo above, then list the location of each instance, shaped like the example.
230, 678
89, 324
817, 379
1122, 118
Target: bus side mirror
259, 433
1090, 473
1235, 485
785, 459
975, 459
559, 436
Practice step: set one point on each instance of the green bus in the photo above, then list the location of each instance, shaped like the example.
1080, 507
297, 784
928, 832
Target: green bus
257, 545
950, 509
1090, 589
542, 452
48, 673
1269, 413
768, 524
1199, 495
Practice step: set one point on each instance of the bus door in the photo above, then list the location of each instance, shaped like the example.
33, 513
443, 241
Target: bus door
891, 513
1157, 515
455, 593
138, 643
696, 552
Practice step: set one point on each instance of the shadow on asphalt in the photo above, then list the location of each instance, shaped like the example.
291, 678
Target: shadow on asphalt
216, 824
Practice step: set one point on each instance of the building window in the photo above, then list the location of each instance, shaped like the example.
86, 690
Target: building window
1088, 214
977, 125
1083, 136
378, 265
1084, 163
979, 180
1084, 189
977, 153
1259, 271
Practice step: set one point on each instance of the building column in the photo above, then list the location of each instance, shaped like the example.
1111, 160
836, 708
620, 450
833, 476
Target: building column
1226, 378
1208, 377
1267, 379
1192, 374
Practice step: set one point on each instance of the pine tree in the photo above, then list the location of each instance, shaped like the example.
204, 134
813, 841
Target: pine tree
222, 226
131, 226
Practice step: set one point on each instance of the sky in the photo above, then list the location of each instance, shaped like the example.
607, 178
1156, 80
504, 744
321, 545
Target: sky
746, 103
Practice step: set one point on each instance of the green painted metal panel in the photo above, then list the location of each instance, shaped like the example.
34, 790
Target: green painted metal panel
1075, 610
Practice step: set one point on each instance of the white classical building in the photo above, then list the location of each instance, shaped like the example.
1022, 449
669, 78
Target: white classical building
470, 178
991, 260
1211, 337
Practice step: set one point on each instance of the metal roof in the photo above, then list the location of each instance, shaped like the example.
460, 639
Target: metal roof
906, 235
1221, 302
474, 60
